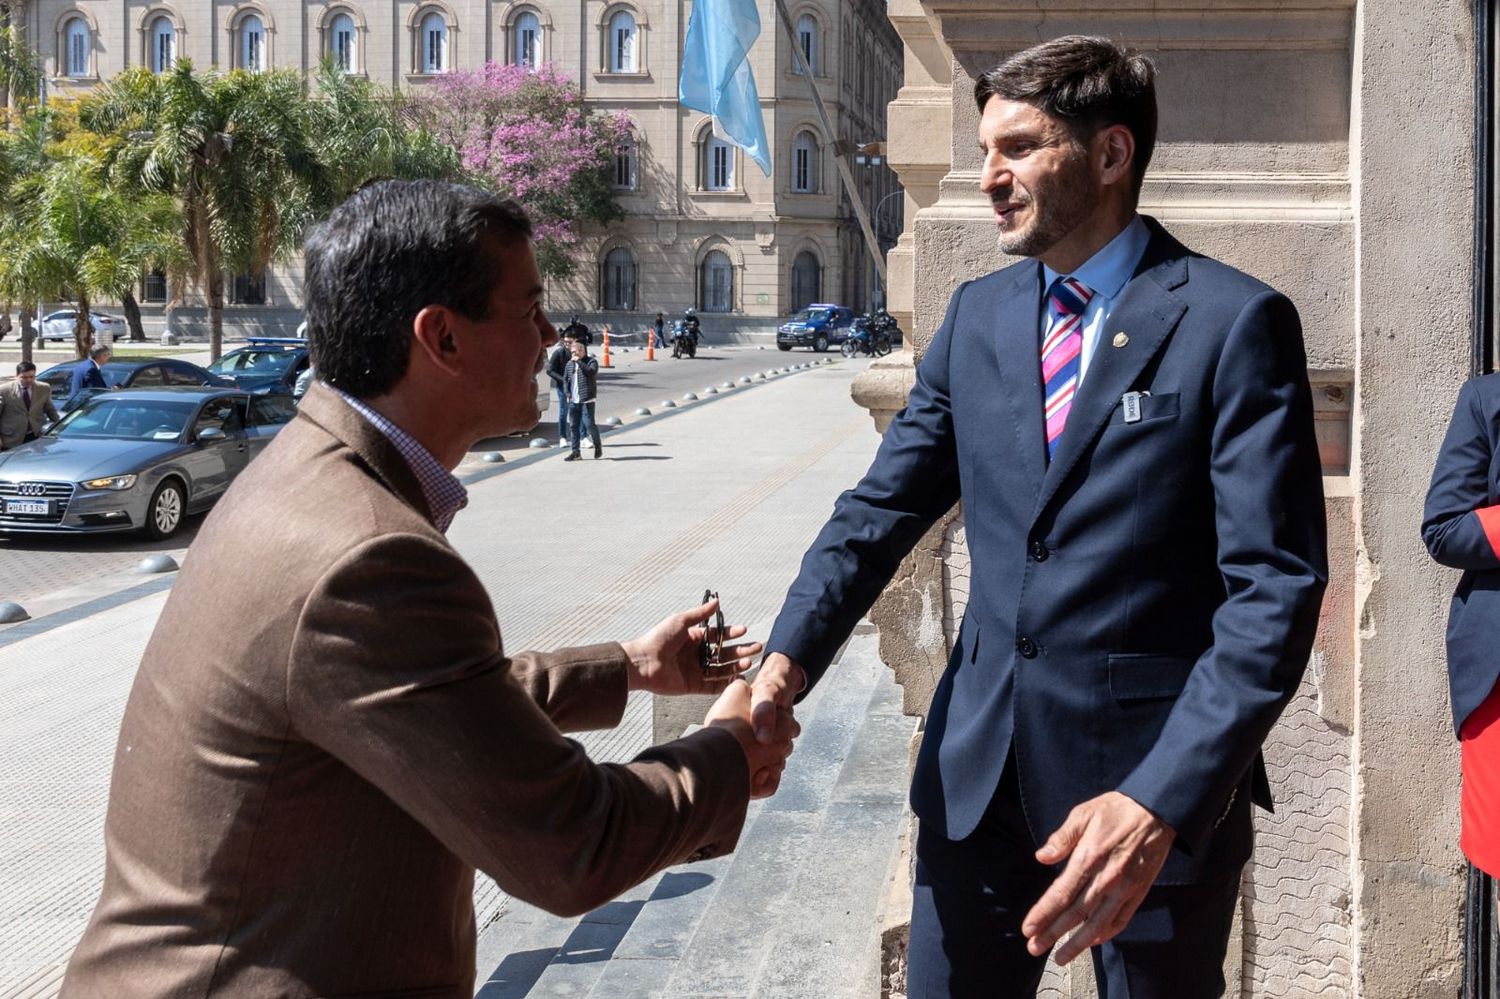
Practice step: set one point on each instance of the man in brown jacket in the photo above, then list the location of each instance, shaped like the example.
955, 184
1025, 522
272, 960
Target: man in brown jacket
25, 407
325, 738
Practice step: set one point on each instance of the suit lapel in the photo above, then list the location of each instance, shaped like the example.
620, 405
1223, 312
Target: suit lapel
1148, 311
1017, 342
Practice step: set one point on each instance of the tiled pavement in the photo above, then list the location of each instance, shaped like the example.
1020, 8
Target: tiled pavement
725, 493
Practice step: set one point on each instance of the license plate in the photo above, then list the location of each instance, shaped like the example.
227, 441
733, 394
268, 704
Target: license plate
39, 507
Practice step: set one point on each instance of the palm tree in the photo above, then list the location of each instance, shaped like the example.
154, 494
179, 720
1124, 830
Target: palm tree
363, 133
20, 68
72, 237
23, 154
236, 152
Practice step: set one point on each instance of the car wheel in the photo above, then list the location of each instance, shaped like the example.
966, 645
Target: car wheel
164, 514
821, 343
783, 346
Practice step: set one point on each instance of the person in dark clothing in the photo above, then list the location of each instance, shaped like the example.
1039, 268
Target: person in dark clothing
557, 363
658, 327
580, 381
86, 374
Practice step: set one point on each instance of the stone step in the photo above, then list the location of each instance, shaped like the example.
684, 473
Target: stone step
793, 913
790, 913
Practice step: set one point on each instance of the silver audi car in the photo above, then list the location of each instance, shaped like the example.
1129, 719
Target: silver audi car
136, 460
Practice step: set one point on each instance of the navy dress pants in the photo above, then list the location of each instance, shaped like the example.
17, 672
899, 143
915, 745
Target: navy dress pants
972, 894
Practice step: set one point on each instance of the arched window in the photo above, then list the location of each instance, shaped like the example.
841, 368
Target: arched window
433, 37
78, 44
619, 279
807, 280
622, 41
252, 43
807, 41
718, 164
342, 40
716, 283
527, 35
624, 173
163, 44
805, 163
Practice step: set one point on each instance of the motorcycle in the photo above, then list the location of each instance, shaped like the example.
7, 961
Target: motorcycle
869, 336
684, 339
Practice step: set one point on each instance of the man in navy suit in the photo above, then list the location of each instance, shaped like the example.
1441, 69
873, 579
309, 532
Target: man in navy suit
1130, 429
87, 374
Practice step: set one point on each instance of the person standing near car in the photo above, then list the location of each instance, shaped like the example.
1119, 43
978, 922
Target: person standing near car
23, 404
581, 379
557, 363
87, 374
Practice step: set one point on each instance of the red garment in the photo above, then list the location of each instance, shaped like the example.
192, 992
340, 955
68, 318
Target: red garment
1480, 803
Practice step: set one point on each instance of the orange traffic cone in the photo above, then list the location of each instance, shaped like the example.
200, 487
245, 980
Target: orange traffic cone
605, 362
651, 344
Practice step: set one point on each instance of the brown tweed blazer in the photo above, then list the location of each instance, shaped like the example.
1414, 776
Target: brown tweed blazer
325, 739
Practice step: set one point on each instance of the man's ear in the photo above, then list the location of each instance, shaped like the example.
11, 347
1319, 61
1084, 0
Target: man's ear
433, 338
1114, 150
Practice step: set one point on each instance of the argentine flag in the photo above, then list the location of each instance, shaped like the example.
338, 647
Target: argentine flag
716, 77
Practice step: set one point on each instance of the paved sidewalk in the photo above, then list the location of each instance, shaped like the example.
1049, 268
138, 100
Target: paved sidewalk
725, 493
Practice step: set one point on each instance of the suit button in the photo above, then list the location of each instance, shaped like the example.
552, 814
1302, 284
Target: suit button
1039, 552
1027, 648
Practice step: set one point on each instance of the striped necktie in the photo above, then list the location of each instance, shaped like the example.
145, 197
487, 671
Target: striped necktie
1062, 350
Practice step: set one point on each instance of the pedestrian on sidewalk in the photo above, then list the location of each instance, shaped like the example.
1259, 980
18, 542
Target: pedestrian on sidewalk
299, 805
25, 407
581, 379
1149, 557
557, 362
658, 327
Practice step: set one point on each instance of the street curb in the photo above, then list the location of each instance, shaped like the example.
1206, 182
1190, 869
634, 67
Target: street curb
12, 634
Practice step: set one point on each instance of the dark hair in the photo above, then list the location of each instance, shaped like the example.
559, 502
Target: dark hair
24, 367
1089, 83
392, 249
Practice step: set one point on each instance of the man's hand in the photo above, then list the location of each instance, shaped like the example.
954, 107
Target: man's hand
1114, 848
776, 685
766, 758
665, 659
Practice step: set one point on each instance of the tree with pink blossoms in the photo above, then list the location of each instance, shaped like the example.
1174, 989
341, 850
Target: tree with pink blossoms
528, 134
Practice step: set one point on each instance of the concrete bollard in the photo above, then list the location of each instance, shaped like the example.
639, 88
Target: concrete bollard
492, 457
11, 613
642, 411
539, 442
690, 397
157, 563
668, 404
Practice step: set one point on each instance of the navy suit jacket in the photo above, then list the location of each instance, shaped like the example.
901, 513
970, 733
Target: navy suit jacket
1461, 526
1141, 609
86, 375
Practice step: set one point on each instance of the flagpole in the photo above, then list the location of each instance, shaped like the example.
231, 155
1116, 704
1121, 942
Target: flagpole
833, 138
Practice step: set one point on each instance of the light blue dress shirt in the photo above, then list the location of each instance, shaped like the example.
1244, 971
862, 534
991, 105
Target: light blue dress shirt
1105, 274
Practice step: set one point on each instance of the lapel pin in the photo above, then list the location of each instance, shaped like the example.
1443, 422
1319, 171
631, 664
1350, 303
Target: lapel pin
1121, 339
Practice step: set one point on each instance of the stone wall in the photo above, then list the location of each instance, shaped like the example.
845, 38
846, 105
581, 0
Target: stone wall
1325, 147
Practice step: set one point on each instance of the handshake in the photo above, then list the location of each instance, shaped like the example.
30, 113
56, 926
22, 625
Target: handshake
669, 660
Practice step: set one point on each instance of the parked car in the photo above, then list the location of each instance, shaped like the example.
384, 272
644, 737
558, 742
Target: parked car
141, 460
818, 326
61, 324
134, 372
265, 364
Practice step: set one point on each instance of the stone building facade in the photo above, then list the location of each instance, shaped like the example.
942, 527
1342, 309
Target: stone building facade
1328, 148
704, 227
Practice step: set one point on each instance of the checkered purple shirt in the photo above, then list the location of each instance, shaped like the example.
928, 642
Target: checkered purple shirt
445, 494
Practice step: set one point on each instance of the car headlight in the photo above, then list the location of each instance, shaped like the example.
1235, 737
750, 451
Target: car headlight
116, 482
